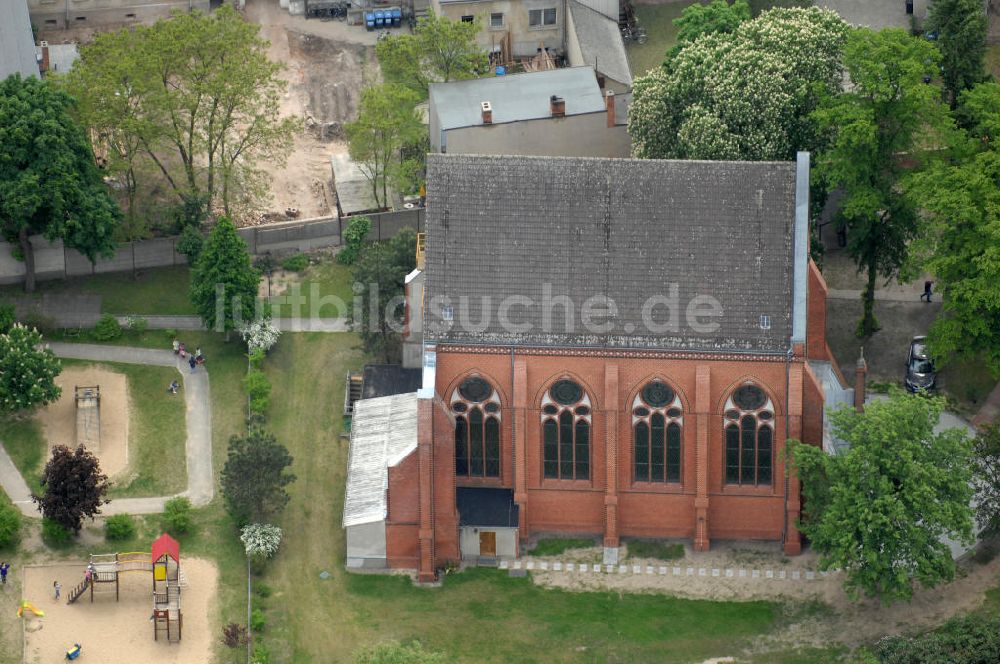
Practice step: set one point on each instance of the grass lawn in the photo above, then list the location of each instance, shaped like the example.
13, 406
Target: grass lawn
661, 34
156, 436
162, 290
555, 547
324, 285
655, 549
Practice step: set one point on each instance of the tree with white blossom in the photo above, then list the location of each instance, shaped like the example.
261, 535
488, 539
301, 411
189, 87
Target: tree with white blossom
743, 95
27, 371
260, 334
261, 540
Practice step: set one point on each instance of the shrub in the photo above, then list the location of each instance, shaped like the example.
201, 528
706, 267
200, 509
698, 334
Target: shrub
177, 515
7, 317
54, 534
257, 621
136, 323
295, 263
119, 527
263, 590
107, 328
234, 635
261, 334
261, 655
10, 524
258, 388
170, 333
36, 320
261, 540
354, 238
970, 638
190, 244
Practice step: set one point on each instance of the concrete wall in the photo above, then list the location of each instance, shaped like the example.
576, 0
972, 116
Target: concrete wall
58, 14
525, 40
366, 545
54, 261
506, 542
571, 136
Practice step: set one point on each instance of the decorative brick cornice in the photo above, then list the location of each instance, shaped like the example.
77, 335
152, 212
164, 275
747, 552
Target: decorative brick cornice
642, 354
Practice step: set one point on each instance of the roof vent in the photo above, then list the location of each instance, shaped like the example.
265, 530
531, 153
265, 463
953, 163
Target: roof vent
765, 322
558, 106
487, 112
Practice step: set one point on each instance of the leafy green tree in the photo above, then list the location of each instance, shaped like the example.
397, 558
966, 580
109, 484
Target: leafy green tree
718, 16
110, 105
28, 371
439, 50
73, 487
49, 183
379, 275
887, 111
224, 282
880, 510
986, 477
744, 95
354, 238
387, 121
195, 91
960, 200
255, 476
961, 38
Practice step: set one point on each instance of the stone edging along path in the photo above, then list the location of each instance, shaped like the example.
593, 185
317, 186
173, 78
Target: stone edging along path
663, 570
201, 486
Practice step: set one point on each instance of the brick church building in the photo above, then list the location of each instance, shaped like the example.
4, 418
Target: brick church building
609, 347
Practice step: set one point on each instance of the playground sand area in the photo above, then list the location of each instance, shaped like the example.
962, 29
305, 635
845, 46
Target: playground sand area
117, 632
59, 418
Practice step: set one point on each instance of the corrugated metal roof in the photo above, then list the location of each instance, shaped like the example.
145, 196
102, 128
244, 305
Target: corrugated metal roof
354, 190
516, 96
383, 433
631, 230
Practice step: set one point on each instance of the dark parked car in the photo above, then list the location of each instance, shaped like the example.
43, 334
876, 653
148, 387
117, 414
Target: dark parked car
920, 372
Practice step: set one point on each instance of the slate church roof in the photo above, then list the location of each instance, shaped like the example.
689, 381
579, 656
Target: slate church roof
684, 232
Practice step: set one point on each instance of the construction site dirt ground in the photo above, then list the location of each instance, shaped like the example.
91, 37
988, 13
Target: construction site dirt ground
121, 631
328, 63
58, 419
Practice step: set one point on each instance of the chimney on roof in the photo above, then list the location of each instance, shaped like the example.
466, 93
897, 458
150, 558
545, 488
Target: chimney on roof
487, 112
609, 104
558, 106
45, 55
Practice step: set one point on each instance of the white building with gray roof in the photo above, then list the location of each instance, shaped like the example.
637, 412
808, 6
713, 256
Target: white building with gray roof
558, 112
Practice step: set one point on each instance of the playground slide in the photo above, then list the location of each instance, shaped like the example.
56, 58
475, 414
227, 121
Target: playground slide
29, 607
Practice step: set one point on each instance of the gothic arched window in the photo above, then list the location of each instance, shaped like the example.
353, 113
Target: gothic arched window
566, 421
749, 429
656, 429
476, 405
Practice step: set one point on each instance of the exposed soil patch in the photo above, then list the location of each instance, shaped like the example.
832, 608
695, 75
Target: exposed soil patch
58, 419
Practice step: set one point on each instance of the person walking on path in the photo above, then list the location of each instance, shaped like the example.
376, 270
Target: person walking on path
928, 286
57, 587
192, 363
4, 568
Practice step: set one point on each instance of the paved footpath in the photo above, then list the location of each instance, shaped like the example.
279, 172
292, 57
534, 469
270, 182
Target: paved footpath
201, 486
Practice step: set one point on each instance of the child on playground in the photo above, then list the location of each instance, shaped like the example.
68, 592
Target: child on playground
4, 568
57, 587
173, 387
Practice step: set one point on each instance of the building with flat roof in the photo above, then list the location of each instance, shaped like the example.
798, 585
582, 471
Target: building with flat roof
558, 112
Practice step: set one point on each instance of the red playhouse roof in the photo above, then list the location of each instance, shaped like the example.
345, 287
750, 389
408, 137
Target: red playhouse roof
166, 545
